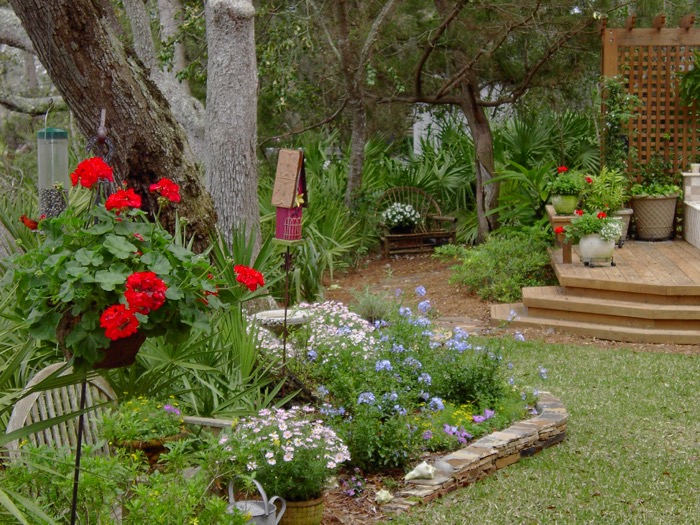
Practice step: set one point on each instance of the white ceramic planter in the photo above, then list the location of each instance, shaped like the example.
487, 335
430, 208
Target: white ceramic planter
695, 167
594, 250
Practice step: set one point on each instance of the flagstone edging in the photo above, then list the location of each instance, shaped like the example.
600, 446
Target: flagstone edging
487, 455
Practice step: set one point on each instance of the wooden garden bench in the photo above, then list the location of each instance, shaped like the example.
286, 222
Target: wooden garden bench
433, 228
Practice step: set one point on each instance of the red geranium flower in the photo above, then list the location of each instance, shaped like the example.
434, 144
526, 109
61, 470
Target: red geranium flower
559, 229
562, 169
589, 180
118, 321
145, 291
167, 189
90, 171
249, 277
29, 223
123, 199
602, 215
578, 212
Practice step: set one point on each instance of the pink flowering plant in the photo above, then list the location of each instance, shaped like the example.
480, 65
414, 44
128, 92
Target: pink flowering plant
103, 272
291, 453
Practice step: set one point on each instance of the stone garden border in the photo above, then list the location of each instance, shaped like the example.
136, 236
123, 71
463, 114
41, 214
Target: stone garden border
487, 455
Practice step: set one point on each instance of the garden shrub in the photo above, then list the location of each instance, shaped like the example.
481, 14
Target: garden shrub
498, 269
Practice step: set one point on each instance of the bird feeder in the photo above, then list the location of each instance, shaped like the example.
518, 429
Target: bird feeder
289, 194
54, 181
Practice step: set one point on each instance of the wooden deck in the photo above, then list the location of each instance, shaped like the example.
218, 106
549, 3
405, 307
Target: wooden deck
651, 295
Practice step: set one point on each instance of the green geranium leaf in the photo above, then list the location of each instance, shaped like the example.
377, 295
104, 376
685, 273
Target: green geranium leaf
180, 252
100, 228
119, 247
157, 263
174, 293
109, 279
66, 292
45, 325
89, 257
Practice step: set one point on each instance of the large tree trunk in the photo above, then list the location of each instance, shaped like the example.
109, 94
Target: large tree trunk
169, 10
232, 176
484, 164
93, 71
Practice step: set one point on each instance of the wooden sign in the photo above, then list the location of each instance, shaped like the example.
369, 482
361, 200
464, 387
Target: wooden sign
289, 168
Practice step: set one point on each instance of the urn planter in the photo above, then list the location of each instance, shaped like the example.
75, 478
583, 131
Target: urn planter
593, 250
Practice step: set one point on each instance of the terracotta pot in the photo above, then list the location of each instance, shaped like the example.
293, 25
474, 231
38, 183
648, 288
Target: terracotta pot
564, 204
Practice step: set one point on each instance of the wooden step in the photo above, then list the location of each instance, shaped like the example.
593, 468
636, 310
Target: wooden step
517, 315
553, 302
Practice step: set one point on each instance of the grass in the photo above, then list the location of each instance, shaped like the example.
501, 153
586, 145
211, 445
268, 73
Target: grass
631, 455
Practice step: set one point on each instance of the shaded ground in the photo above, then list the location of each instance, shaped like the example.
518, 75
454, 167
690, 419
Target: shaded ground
456, 307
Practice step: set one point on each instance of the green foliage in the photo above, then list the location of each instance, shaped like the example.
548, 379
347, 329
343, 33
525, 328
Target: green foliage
524, 194
588, 223
141, 419
655, 178
508, 261
619, 108
689, 86
607, 191
567, 183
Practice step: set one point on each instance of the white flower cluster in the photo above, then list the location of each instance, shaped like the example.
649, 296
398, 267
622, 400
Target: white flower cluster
610, 231
401, 215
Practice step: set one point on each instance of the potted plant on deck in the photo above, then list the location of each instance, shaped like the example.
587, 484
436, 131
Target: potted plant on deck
292, 454
654, 199
596, 234
565, 190
608, 192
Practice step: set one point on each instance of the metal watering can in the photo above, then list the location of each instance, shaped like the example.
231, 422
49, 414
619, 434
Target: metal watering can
261, 512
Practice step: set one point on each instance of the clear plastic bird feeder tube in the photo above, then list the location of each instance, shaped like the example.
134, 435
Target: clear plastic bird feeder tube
54, 181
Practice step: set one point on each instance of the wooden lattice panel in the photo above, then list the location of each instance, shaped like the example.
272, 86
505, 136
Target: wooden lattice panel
649, 61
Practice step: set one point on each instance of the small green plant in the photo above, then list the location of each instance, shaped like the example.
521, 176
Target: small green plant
689, 87
141, 419
607, 191
371, 305
567, 182
586, 223
655, 178
498, 269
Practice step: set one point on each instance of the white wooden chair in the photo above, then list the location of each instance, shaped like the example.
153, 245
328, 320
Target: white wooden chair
46, 404
43, 405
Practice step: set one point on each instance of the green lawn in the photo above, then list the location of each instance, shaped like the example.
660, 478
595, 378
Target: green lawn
632, 454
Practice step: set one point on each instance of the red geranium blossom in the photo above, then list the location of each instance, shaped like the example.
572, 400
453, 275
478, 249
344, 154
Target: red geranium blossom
602, 215
249, 277
118, 321
167, 189
589, 180
90, 171
29, 223
145, 291
559, 229
578, 212
123, 199
562, 169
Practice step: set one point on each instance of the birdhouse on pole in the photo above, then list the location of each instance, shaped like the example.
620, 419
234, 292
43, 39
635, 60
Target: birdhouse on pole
289, 194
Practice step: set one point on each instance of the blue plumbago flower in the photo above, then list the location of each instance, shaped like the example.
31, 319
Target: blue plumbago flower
478, 418
533, 412
366, 397
425, 379
512, 315
427, 435
436, 404
488, 413
424, 306
424, 396
328, 410
420, 321
519, 336
384, 338
523, 396
427, 333
543, 372
321, 391
311, 355
397, 348
384, 364
434, 344
390, 396
413, 363
400, 410
460, 346
398, 293
511, 381
510, 366
459, 333
405, 311
380, 323
420, 291
535, 392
